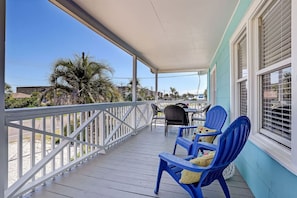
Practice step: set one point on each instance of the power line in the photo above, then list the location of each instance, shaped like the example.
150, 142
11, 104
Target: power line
176, 76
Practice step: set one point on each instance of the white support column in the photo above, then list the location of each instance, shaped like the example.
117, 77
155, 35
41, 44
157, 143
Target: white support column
156, 86
3, 129
134, 80
134, 90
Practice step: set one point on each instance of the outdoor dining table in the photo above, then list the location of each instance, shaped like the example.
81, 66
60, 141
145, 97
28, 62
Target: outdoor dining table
190, 110
187, 110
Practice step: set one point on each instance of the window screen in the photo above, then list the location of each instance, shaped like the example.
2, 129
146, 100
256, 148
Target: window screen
275, 33
242, 57
275, 51
276, 104
242, 73
243, 98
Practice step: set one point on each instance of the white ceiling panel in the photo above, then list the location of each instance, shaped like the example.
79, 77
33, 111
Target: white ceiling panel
167, 35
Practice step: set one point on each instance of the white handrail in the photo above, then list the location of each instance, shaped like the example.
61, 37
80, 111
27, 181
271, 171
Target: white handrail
52, 140
61, 137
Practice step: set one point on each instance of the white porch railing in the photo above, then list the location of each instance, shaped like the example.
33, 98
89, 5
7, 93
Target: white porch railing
49, 141
196, 104
46, 142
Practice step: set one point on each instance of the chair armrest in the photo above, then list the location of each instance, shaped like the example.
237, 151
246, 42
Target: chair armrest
203, 146
180, 130
181, 163
206, 145
198, 135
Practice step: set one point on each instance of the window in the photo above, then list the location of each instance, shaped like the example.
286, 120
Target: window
276, 105
275, 71
242, 73
239, 70
262, 67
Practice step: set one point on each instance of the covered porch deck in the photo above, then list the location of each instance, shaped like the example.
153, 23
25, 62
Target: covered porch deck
129, 170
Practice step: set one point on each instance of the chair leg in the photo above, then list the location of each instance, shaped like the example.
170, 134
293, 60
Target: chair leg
151, 125
155, 122
196, 193
190, 150
161, 168
224, 186
174, 149
166, 130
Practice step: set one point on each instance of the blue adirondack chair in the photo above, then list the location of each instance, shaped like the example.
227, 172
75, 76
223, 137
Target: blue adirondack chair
229, 145
215, 119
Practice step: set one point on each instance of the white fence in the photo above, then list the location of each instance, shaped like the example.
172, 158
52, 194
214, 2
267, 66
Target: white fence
45, 142
49, 141
196, 104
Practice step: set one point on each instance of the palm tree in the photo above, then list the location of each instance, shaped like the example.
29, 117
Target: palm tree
138, 88
7, 89
173, 93
81, 81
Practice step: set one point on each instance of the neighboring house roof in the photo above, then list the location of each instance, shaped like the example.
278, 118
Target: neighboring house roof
31, 89
20, 95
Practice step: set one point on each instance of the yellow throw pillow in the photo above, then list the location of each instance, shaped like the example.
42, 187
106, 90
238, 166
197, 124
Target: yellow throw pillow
202, 129
189, 177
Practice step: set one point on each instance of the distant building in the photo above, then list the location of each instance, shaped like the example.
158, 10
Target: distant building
125, 91
30, 90
200, 97
20, 95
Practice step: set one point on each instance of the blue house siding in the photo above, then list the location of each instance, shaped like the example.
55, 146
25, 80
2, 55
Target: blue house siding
222, 57
222, 60
265, 176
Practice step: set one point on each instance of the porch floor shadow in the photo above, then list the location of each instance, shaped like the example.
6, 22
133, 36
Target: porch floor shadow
130, 170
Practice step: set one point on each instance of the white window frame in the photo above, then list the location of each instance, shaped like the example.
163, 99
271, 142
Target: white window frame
286, 157
235, 80
213, 86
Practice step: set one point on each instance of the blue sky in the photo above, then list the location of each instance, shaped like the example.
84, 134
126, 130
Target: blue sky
38, 34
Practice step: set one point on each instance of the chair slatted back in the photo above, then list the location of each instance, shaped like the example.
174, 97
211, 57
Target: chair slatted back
230, 145
215, 118
155, 109
175, 115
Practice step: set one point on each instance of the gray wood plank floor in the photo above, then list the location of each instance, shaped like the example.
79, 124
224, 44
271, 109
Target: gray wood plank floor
130, 170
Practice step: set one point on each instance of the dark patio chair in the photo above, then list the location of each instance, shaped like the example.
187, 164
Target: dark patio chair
182, 105
215, 119
229, 146
156, 114
200, 115
175, 115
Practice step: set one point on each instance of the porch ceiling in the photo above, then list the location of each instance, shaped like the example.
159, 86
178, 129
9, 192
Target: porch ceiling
166, 35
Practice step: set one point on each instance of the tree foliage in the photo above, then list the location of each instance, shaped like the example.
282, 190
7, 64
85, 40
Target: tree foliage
142, 92
81, 81
11, 102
